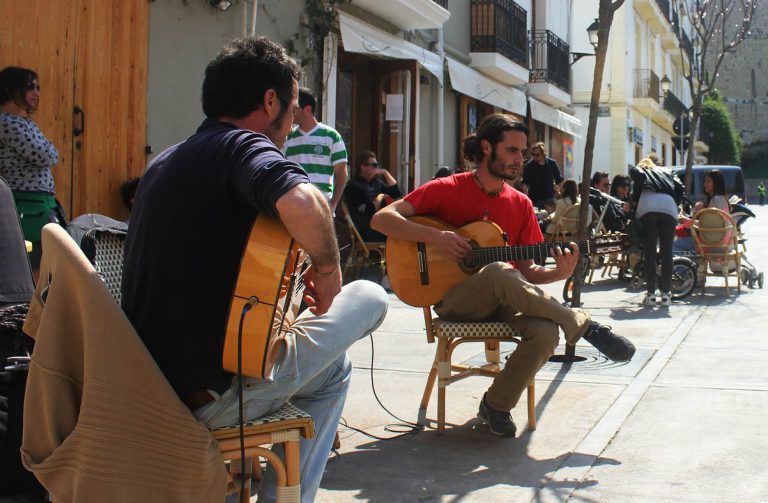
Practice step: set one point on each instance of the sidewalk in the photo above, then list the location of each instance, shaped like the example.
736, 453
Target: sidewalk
684, 421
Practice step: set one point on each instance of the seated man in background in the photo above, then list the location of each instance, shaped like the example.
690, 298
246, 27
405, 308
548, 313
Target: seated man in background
615, 218
371, 189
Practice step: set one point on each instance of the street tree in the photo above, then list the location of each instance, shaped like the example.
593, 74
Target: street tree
605, 11
717, 29
718, 131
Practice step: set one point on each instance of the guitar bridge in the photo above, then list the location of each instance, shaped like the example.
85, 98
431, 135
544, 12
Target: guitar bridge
421, 255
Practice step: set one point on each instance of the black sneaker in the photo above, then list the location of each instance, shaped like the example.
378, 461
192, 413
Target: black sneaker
615, 347
499, 422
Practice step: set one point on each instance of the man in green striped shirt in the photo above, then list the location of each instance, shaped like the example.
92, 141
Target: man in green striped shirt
319, 149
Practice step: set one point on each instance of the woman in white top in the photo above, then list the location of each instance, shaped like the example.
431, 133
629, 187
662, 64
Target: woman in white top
715, 197
714, 190
569, 197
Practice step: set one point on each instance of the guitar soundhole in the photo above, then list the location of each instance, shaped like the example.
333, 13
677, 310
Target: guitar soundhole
470, 263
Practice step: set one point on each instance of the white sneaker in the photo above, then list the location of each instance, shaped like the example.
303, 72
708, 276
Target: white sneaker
650, 300
666, 299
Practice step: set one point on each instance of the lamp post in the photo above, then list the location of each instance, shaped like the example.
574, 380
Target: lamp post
681, 129
592, 32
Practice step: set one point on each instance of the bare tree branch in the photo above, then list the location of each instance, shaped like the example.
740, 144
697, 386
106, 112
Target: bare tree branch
715, 36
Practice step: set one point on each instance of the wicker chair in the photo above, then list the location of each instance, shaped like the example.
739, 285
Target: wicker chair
715, 237
360, 253
285, 426
450, 335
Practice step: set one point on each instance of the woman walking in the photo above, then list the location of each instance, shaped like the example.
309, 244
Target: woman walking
656, 192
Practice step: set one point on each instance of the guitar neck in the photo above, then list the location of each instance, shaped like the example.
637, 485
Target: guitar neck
485, 256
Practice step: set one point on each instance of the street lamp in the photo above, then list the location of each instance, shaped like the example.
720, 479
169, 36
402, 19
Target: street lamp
680, 126
665, 85
592, 33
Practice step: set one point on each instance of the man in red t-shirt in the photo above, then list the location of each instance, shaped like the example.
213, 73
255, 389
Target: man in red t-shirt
499, 291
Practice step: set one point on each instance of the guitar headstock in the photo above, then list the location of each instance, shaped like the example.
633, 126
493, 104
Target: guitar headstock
609, 243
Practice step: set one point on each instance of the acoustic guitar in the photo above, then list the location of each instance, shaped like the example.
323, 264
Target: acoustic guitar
420, 275
271, 278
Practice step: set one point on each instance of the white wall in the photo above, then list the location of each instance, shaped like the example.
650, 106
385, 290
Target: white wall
183, 38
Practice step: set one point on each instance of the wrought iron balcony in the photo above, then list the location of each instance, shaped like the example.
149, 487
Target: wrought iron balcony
549, 59
442, 3
646, 85
500, 26
673, 105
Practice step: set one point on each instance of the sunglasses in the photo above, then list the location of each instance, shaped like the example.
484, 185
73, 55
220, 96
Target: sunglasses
33, 86
372, 164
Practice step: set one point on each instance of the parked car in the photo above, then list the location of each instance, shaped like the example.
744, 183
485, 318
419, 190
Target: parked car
734, 180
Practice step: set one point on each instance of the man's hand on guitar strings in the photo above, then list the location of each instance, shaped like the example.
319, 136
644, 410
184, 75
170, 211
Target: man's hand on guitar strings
565, 259
321, 289
452, 245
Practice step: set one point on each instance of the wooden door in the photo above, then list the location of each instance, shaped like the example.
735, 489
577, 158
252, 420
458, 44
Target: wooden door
111, 90
40, 35
91, 56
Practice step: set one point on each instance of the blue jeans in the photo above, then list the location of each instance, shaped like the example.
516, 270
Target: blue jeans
313, 372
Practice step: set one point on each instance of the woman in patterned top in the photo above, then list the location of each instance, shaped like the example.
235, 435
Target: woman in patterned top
26, 156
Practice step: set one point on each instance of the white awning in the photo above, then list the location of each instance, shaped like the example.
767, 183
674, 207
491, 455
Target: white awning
555, 118
476, 85
363, 38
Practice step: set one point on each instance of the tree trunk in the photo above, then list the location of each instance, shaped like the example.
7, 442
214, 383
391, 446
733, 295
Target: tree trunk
605, 16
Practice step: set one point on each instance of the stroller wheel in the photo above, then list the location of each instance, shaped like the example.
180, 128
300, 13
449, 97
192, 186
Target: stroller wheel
760, 280
751, 282
745, 277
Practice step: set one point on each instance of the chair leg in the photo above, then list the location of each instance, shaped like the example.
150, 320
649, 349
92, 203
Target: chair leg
291, 493
443, 375
532, 405
428, 388
239, 472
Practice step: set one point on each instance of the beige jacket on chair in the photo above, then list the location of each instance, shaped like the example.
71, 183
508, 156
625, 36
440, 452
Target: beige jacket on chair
101, 422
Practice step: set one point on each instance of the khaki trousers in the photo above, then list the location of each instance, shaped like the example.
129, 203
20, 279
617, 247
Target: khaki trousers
499, 292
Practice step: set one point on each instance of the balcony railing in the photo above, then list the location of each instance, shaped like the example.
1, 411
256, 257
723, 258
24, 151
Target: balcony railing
646, 85
442, 3
673, 105
549, 59
500, 26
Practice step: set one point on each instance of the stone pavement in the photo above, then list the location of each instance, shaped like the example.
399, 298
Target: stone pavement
685, 421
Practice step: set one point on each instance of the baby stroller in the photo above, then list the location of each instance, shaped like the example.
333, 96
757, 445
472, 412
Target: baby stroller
749, 273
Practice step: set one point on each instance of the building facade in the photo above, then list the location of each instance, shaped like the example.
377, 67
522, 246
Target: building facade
635, 117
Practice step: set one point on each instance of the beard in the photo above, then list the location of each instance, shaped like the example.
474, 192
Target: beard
496, 168
273, 132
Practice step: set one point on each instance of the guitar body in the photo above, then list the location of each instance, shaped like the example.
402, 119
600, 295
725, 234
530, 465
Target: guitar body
269, 276
421, 276
406, 262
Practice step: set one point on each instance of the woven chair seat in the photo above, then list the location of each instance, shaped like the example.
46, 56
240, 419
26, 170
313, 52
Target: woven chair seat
484, 329
286, 417
108, 261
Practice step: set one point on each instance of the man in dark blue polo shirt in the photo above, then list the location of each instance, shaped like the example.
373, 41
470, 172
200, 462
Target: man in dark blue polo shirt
193, 212
541, 174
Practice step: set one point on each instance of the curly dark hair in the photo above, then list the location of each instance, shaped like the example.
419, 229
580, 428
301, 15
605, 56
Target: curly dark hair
492, 129
246, 68
306, 98
14, 83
